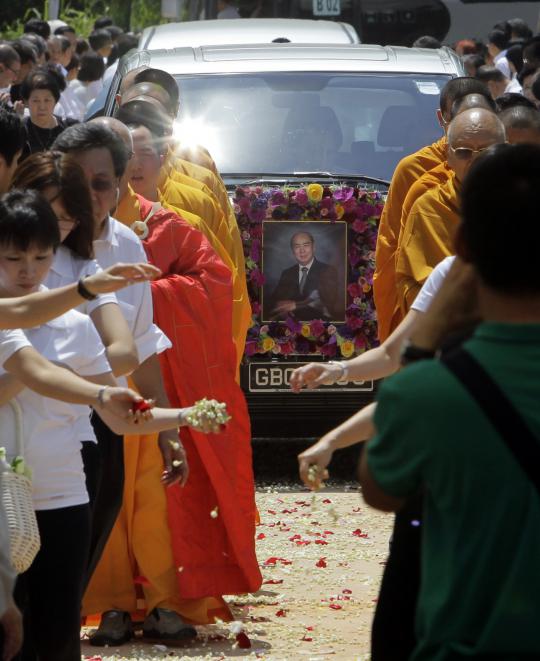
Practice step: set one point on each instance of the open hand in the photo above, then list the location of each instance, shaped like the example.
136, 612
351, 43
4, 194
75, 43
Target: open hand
119, 276
313, 375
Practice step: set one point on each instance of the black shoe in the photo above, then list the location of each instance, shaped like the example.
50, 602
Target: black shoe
164, 625
115, 628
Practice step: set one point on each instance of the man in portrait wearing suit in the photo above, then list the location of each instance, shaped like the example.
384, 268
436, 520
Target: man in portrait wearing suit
309, 289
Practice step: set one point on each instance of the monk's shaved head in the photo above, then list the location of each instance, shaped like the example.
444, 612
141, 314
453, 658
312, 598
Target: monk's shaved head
473, 101
129, 79
522, 125
474, 123
148, 90
469, 134
456, 89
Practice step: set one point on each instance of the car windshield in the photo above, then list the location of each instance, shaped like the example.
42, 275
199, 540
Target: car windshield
287, 123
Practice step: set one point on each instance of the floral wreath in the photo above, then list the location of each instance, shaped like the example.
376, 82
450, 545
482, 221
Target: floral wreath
361, 210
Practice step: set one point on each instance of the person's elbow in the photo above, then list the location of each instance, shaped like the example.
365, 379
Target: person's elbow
123, 358
372, 493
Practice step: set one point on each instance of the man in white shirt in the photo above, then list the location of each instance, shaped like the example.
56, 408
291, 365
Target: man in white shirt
103, 157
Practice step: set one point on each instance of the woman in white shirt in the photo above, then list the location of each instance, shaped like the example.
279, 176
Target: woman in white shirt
50, 591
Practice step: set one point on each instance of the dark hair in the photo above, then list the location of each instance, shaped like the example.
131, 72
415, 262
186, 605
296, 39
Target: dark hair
40, 79
26, 51
484, 229
92, 67
468, 47
514, 54
13, 135
8, 54
528, 70
535, 89
519, 28
513, 100
457, 88
125, 43
74, 63
498, 38
163, 79
143, 113
84, 137
102, 22
114, 31
531, 49
488, 74
39, 27
63, 29
521, 118
36, 41
476, 60
98, 39
82, 46
26, 219
48, 169
426, 42
64, 42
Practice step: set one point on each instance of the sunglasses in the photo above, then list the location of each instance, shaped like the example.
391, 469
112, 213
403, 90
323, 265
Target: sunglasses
466, 153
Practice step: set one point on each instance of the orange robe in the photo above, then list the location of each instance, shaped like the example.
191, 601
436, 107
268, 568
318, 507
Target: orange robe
197, 154
188, 202
428, 237
149, 543
408, 170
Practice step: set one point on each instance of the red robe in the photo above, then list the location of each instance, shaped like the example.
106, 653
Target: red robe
193, 306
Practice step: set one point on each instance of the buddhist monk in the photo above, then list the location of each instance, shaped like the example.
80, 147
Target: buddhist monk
428, 235
522, 125
408, 170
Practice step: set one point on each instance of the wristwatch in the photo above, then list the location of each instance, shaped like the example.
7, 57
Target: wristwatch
84, 292
410, 353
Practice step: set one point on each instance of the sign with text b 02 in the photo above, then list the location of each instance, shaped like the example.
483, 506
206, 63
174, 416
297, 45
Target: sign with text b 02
326, 7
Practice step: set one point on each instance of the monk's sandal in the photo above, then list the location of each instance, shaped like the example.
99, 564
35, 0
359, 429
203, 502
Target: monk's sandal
115, 628
164, 625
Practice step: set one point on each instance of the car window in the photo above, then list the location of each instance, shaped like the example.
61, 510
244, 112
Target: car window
299, 122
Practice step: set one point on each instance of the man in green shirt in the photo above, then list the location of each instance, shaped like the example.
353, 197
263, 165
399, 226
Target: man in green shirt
480, 586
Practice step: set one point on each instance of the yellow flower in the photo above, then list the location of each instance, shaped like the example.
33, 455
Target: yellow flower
306, 331
347, 348
339, 211
315, 192
366, 287
268, 344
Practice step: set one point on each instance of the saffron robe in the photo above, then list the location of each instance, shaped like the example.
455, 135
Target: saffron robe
428, 237
408, 170
217, 556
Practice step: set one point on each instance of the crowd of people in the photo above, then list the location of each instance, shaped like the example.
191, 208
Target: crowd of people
116, 218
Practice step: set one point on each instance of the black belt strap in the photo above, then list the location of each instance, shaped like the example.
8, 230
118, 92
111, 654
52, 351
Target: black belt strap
513, 430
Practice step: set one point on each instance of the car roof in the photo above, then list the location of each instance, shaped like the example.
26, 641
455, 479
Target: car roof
297, 57
247, 30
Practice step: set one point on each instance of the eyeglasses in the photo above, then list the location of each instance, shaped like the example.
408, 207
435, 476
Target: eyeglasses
466, 153
102, 185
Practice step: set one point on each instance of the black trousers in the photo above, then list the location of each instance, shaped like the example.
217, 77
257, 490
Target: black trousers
49, 594
105, 489
393, 636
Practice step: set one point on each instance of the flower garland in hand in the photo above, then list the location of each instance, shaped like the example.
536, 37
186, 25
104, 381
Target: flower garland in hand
361, 210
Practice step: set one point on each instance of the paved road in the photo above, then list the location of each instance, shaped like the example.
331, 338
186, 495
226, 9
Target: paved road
321, 563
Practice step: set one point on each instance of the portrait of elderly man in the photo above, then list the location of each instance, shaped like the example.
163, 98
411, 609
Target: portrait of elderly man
311, 288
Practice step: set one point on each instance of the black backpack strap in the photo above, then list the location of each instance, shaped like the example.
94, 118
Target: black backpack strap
517, 436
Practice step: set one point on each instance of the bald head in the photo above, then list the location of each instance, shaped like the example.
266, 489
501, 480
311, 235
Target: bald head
129, 79
149, 91
522, 125
469, 134
456, 89
471, 101
474, 122
118, 127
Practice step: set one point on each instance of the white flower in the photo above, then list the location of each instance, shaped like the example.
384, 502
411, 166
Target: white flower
140, 229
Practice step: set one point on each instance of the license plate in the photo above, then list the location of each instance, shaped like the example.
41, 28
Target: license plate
326, 7
275, 377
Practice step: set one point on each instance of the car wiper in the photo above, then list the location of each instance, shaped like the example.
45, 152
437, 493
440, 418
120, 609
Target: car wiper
280, 177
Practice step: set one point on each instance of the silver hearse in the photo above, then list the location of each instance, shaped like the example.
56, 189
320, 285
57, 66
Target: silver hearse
306, 138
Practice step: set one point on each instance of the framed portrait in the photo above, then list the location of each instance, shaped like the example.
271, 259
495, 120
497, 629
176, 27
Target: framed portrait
304, 266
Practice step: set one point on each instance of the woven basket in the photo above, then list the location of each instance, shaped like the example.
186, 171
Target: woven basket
16, 491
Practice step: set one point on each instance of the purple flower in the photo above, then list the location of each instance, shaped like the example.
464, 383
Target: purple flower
343, 194
257, 278
327, 203
255, 252
257, 215
300, 197
329, 349
293, 325
359, 226
302, 345
251, 347
354, 256
278, 198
